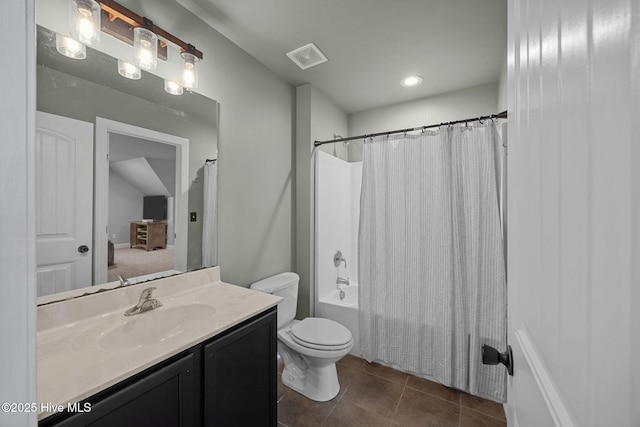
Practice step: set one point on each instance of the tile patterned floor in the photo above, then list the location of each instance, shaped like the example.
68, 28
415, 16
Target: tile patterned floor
373, 395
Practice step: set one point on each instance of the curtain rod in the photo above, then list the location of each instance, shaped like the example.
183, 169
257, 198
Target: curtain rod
502, 115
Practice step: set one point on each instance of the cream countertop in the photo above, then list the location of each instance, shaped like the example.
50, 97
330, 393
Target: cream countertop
71, 363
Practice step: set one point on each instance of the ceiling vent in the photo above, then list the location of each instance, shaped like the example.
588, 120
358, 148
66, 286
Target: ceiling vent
307, 56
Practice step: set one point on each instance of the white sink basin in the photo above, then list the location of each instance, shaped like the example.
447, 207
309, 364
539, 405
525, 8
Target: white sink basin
155, 326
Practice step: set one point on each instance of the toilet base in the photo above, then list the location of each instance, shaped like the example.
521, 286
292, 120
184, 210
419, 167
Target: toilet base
319, 383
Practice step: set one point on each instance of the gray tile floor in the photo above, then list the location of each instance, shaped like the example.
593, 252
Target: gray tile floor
374, 395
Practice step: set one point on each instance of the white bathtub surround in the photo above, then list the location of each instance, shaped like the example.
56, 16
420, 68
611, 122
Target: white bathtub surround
77, 357
431, 256
337, 210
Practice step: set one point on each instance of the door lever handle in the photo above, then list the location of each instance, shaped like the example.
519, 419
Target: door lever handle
491, 356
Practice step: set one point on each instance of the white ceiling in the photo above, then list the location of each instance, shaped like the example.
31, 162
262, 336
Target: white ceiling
371, 44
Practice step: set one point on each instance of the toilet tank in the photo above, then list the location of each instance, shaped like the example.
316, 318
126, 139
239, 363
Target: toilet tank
284, 285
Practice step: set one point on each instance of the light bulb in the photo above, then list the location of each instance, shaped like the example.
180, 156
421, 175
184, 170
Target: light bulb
84, 18
145, 56
145, 43
127, 70
172, 88
86, 29
70, 48
189, 77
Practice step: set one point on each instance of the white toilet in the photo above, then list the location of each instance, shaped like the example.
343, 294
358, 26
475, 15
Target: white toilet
310, 347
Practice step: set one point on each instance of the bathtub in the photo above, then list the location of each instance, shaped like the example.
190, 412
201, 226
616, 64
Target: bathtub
343, 311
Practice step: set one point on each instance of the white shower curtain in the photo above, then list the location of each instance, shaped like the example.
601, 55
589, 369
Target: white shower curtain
431, 265
210, 209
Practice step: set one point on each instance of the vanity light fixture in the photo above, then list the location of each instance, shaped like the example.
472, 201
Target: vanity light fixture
84, 19
70, 48
90, 17
128, 70
172, 88
189, 78
126, 25
411, 81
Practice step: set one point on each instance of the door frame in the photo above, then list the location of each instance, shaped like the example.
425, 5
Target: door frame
101, 191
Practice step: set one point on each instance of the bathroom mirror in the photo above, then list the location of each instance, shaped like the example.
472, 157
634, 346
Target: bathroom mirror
92, 88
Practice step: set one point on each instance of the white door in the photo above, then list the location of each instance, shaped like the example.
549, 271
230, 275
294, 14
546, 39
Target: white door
574, 213
64, 203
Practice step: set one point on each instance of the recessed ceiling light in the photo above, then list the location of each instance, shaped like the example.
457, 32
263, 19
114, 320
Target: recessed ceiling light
411, 81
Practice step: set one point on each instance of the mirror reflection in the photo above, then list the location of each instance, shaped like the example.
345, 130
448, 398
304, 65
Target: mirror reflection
121, 183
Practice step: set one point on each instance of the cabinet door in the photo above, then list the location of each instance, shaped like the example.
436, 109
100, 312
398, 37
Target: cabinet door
240, 376
166, 397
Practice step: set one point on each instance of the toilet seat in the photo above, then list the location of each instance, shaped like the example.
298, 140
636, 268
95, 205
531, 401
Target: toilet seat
321, 334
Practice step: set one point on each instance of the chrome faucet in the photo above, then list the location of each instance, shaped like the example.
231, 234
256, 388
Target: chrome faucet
123, 281
145, 303
341, 281
337, 260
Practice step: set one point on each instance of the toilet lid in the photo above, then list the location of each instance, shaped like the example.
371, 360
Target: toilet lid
320, 334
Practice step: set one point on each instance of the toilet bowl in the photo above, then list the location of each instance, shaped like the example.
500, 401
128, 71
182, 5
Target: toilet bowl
310, 347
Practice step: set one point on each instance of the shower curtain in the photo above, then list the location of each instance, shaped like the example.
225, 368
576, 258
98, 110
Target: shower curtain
210, 210
431, 265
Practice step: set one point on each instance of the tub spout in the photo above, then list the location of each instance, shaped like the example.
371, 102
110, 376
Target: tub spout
341, 281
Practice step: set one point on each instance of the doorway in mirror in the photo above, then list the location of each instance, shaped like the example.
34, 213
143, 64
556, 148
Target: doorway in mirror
132, 164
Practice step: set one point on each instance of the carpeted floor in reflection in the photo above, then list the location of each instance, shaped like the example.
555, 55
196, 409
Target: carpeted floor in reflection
132, 262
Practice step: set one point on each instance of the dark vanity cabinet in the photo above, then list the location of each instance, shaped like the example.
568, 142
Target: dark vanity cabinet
165, 395
239, 374
227, 380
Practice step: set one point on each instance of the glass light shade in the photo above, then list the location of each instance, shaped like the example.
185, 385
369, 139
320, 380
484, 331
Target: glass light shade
129, 71
189, 77
84, 21
145, 44
70, 48
172, 88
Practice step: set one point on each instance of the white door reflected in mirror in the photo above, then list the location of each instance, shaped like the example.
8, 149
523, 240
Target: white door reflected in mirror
64, 203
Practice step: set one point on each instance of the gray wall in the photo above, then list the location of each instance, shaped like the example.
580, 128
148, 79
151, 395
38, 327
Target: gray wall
255, 175
461, 104
125, 204
318, 119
